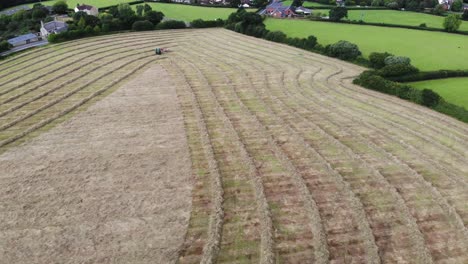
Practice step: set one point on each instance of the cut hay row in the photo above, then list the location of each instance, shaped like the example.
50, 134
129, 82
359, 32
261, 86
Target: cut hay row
351, 70
43, 101
442, 201
198, 138
370, 113
442, 204
392, 196
256, 151
266, 243
68, 75
321, 253
66, 61
141, 64
56, 51
291, 149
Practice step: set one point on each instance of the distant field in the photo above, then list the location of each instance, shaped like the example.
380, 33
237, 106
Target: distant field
453, 90
397, 17
428, 50
189, 13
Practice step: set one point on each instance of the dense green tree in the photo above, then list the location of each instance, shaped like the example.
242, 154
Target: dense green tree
81, 23
4, 46
139, 10
344, 50
337, 13
235, 3
438, 10
377, 59
142, 25
297, 3
154, 17
465, 15
147, 8
452, 22
126, 15
430, 98
457, 6
60, 7
38, 13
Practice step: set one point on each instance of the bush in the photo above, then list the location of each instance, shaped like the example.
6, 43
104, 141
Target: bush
154, 17
200, 23
142, 25
438, 10
60, 7
337, 13
397, 70
276, 36
344, 50
430, 98
4, 46
392, 60
310, 42
423, 25
452, 23
422, 76
465, 15
171, 24
457, 6
377, 59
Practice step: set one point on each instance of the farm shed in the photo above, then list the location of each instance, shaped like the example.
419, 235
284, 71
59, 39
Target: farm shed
23, 39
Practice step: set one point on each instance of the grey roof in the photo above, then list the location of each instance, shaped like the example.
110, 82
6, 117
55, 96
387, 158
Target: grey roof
15, 10
56, 26
22, 38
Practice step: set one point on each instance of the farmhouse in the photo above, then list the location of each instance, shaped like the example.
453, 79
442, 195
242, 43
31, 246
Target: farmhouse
24, 39
90, 10
53, 27
277, 9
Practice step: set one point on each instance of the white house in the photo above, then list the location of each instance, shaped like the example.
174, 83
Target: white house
90, 10
53, 27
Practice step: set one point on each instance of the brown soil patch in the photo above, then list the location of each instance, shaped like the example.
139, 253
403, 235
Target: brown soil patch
110, 185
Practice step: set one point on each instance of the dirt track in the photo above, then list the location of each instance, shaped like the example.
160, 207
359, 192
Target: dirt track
111, 185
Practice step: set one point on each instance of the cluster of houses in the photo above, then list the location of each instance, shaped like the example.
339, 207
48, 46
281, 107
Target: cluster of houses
48, 28
278, 10
447, 4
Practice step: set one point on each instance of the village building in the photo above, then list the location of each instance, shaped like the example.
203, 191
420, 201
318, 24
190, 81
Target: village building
24, 39
90, 10
278, 10
53, 27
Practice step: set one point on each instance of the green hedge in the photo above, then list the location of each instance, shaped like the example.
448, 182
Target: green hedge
429, 98
431, 75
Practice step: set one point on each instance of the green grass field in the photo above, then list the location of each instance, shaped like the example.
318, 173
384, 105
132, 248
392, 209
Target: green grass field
428, 50
397, 17
189, 13
453, 90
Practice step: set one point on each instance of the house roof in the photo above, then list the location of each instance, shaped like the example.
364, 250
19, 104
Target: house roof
84, 7
22, 38
15, 10
55, 26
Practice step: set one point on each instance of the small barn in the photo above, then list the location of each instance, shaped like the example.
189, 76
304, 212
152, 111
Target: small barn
23, 39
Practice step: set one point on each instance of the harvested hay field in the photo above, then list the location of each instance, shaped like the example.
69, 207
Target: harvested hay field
229, 149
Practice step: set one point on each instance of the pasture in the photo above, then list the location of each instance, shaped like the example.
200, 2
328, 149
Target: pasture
453, 90
427, 50
406, 18
189, 13
252, 152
